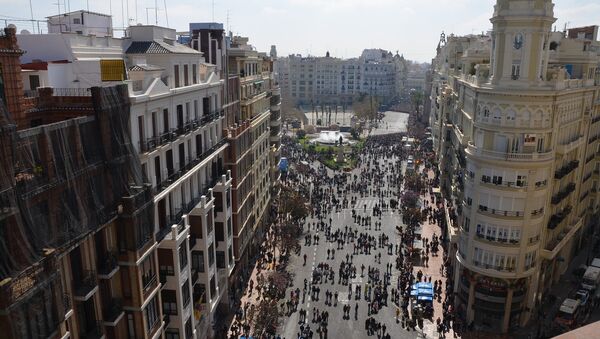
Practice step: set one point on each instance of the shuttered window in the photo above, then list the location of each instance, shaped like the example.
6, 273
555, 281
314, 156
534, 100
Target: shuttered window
112, 70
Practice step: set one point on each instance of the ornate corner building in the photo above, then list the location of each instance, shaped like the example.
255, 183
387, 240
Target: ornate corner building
515, 119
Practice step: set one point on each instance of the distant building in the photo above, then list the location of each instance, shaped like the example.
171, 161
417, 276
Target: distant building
81, 22
334, 81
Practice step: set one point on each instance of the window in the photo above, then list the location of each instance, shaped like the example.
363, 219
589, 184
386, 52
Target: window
230, 255
213, 287
185, 293
169, 302
219, 231
176, 74
186, 75
167, 270
77, 21
112, 70
183, 256
171, 333
211, 255
148, 274
188, 328
130, 326
220, 259
34, 82
194, 74
198, 261
516, 70
2, 94
151, 315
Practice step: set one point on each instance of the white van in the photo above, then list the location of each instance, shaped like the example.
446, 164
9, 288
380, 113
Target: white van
591, 278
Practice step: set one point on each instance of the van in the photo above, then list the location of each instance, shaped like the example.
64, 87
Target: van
568, 313
591, 278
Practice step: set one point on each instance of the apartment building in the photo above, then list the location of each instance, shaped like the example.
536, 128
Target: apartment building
176, 125
514, 116
255, 146
329, 80
75, 214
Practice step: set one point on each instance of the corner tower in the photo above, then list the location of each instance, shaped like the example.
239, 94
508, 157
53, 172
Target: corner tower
520, 36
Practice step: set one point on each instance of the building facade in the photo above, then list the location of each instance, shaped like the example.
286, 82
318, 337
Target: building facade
514, 117
183, 102
328, 80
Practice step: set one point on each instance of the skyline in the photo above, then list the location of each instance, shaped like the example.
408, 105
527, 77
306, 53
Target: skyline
285, 23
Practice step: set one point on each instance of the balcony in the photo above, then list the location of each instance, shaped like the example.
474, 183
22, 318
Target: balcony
557, 244
569, 146
86, 286
503, 213
108, 266
568, 168
557, 218
508, 156
113, 312
151, 143
499, 268
560, 196
595, 119
520, 184
149, 283
497, 240
190, 165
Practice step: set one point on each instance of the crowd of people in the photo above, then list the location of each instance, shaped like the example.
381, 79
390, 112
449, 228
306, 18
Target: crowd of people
377, 263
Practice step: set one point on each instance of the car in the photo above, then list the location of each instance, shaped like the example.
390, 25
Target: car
583, 296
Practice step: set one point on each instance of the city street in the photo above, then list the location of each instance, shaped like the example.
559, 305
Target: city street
321, 252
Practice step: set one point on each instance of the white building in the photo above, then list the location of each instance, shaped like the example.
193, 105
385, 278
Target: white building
81, 22
328, 80
514, 116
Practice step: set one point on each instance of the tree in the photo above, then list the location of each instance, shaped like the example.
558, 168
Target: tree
416, 100
409, 199
290, 111
365, 106
264, 318
301, 134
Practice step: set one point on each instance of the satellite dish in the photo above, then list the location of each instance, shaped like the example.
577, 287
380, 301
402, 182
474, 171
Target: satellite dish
12, 26
25, 32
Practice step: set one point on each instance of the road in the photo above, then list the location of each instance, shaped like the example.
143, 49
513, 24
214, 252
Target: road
353, 328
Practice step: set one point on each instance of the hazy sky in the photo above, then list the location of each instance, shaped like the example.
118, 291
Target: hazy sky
344, 27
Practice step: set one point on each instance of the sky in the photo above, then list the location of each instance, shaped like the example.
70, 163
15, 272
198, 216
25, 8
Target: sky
342, 27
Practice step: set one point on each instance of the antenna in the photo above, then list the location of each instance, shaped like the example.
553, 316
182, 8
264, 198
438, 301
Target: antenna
156, 12
57, 3
32, 19
225, 28
136, 12
122, 15
166, 13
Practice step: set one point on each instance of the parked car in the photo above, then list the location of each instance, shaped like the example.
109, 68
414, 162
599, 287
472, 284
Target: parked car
582, 296
568, 314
